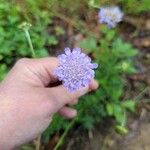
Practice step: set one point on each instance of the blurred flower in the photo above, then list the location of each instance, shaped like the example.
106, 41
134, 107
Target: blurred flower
110, 15
25, 26
75, 69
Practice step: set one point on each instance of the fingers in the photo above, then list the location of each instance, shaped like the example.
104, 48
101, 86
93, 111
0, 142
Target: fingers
41, 69
68, 112
73, 102
63, 96
60, 93
49, 64
93, 85
59, 96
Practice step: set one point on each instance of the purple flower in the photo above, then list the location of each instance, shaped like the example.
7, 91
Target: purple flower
110, 15
75, 69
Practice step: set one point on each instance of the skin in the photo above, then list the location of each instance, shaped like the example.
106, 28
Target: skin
27, 104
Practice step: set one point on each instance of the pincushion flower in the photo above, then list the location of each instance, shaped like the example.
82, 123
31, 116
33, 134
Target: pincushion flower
110, 15
75, 69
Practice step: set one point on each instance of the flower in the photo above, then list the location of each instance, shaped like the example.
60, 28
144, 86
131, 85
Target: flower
110, 15
75, 69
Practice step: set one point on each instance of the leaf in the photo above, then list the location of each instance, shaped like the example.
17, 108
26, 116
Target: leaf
41, 53
121, 130
94, 3
110, 35
3, 71
89, 45
52, 40
118, 113
109, 108
123, 49
129, 104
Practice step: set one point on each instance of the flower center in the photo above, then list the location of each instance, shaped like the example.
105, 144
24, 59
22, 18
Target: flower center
75, 70
110, 14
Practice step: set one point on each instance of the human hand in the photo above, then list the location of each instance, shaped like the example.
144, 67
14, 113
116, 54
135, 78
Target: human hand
28, 104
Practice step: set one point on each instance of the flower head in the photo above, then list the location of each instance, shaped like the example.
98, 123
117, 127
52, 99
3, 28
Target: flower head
110, 15
75, 69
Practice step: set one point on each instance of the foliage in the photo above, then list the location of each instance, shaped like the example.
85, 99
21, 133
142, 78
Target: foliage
113, 54
40, 14
13, 44
115, 58
129, 6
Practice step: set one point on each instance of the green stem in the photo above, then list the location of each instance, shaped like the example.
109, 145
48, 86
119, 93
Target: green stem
29, 42
123, 124
27, 34
136, 98
64, 134
38, 143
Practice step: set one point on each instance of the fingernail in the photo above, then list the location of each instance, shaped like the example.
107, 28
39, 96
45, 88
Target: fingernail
73, 113
94, 85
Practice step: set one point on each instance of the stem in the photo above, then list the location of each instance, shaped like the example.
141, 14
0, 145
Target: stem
136, 98
38, 143
27, 34
29, 42
64, 134
124, 119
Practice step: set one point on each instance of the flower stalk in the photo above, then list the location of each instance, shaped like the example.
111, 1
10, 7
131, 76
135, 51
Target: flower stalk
25, 27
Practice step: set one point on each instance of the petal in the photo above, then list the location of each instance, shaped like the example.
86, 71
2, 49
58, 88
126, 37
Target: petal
67, 51
77, 49
62, 57
93, 66
87, 59
79, 84
82, 55
85, 82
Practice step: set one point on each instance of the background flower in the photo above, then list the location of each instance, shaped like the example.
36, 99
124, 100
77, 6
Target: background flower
110, 15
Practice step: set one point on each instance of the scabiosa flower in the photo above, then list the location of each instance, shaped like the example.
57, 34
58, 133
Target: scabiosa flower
110, 15
75, 69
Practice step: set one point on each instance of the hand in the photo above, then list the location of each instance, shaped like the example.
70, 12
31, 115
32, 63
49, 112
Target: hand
27, 104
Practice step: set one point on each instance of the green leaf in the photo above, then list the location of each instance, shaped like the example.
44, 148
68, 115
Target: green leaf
110, 35
41, 53
94, 3
126, 67
121, 129
109, 108
90, 45
129, 104
59, 31
52, 40
118, 113
3, 71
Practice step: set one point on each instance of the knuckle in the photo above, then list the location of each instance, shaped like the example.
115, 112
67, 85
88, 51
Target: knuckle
22, 61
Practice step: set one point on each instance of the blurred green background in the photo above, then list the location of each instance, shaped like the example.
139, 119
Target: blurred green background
57, 24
